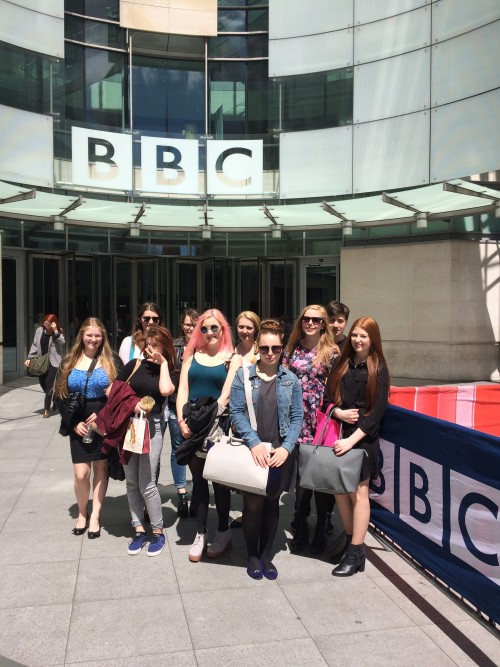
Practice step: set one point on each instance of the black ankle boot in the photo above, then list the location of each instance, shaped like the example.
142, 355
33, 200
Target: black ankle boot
301, 537
336, 557
318, 542
352, 562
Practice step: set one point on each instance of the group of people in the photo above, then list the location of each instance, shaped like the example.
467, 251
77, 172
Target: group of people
288, 381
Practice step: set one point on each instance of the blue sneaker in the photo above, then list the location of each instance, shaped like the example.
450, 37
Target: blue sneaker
137, 543
157, 544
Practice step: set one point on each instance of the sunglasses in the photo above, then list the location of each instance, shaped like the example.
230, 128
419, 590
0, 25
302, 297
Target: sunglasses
213, 329
314, 320
151, 319
275, 349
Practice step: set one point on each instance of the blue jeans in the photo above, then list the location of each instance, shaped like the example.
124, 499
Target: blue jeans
178, 471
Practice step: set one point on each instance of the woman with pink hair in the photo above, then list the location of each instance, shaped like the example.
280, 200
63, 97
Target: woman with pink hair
208, 369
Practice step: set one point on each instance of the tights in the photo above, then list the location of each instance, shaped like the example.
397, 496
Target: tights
200, 497
260, 523
324, 502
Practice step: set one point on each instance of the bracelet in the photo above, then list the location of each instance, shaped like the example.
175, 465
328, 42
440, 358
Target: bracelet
181, 421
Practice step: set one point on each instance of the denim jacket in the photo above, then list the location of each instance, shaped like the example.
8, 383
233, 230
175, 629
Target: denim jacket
290, 410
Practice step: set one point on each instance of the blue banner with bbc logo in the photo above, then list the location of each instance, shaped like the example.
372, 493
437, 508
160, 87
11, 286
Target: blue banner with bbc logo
438, 497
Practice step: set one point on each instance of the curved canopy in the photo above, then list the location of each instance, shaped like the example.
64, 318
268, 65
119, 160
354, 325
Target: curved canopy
454, 198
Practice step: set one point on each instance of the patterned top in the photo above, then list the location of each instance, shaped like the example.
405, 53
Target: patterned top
98, 382
312, 379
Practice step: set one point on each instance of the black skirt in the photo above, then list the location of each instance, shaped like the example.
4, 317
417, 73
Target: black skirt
82, 452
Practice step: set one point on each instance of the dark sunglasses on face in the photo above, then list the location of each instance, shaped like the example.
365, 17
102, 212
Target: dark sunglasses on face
213, 329
314, 320
275, 349
151, 319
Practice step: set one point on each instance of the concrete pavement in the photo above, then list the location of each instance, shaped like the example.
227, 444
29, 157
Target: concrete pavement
67, 600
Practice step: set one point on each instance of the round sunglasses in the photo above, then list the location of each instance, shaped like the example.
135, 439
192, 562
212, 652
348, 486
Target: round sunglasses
213, 329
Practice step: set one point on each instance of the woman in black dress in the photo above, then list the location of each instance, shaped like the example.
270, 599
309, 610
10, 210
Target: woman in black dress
358, 385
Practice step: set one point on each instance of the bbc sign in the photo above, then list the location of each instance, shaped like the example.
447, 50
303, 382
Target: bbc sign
168, 166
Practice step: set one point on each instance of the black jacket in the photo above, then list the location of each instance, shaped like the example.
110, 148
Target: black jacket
200, 417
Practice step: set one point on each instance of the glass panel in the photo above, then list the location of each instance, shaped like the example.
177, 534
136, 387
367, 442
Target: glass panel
243, 3
96, 8
87, 239
257, 46
73, 28
208, 285
314, 101
258, 98
104, 292
258, 19
94, 90
187, 285
123, 300
250, 286
11, 233
84, 302
281, 291
321, 284
146, 288
168, 96
231, 20
227, 47
9, 306
43, 236
24, 79
104, 34
227, 98
45, 285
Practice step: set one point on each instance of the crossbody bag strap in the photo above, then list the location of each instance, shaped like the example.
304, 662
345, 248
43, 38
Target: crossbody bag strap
248, 395
136, 368
89, 373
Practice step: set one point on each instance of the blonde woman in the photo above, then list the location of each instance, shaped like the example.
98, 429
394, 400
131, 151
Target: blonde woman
89, 369
247, 326
309, 354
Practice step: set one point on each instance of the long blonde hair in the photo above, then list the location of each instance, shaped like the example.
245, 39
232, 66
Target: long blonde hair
326, 344
104, 353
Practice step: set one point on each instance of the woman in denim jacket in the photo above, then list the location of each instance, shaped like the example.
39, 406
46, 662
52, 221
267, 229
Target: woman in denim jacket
277, 399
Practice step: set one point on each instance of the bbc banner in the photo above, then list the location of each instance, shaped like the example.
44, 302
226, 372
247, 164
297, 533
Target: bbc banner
438, 497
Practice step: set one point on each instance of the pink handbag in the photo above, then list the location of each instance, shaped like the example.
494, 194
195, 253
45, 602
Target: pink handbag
327, 429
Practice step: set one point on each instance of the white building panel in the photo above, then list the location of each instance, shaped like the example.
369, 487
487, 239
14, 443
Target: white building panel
366, 11
27, 154
466, 65
316, 163
456, 17
316, 53
392, 87
293, 18
392, 36
35, 26
465, 137
392, 153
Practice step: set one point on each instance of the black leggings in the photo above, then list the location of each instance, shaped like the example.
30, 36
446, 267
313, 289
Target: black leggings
324, 502
46, 383
260, 523
200, 497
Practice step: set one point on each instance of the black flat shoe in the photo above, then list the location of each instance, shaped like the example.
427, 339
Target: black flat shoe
80, 531
94, 534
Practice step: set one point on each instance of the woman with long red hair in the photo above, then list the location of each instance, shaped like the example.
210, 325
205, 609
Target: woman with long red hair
358, 385
49, 338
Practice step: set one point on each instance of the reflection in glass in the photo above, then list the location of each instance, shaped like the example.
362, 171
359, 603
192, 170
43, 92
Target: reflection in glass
168, 95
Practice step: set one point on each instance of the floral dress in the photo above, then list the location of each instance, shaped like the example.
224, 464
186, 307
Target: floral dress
312, 379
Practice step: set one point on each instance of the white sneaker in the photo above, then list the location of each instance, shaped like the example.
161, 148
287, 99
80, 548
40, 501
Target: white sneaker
198, 547
221, 543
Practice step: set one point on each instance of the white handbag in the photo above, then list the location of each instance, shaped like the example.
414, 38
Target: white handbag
230, 462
